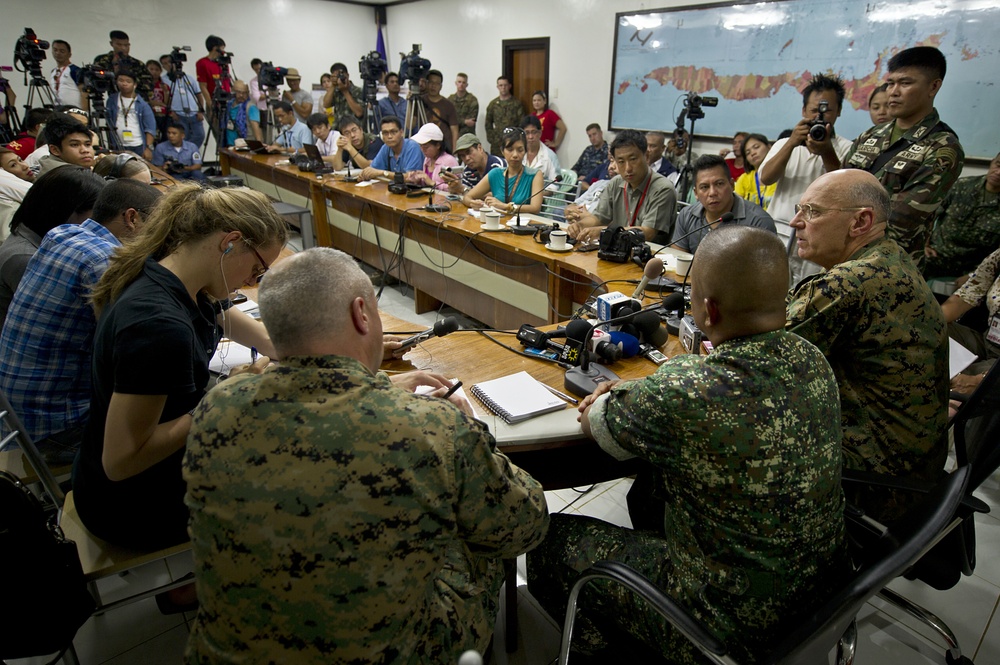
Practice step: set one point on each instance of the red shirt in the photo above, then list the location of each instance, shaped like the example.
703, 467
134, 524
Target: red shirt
548, 118
734, 171
209, 72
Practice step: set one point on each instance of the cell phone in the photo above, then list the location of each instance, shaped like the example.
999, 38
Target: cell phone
652, 353
456, 170
239, 298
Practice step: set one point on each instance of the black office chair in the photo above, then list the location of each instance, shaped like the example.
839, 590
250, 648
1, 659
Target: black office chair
811, 636
976, 431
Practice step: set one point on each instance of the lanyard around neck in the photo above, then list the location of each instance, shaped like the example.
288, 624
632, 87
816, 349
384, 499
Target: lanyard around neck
641, 199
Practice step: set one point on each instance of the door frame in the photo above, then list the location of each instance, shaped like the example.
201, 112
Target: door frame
508, 48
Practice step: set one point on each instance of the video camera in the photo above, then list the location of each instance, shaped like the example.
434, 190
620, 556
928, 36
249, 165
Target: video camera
225, 58
372, 67
694, 102
271, 76
621, 245
817, 127
412, 67
30, 51
96, 79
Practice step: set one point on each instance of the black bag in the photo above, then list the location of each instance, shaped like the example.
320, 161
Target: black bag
45, 592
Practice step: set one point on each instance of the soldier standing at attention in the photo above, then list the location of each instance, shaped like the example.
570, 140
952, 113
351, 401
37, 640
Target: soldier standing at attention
916, 157
503, 112
757, 451
466, 106
337, 516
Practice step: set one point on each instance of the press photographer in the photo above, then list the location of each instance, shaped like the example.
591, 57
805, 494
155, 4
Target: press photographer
343, 95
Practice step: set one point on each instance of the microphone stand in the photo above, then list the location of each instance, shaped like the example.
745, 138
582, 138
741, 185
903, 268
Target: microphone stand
583, 380
529, 229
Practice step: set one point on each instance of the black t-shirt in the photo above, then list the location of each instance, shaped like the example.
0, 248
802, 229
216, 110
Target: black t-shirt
369, 151
153, 340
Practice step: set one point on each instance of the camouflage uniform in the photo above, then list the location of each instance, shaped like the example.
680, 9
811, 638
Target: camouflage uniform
983, 288
143, 79
337, 518
967, 229
501, 114
341, 108
748, 442
917, 177
590, 159
466, 107
877, 322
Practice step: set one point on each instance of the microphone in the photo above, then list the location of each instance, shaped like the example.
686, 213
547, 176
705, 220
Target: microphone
650, 330
441, 328
628, 343
584, 379
653, 269
726, 217
674, 304
529, 228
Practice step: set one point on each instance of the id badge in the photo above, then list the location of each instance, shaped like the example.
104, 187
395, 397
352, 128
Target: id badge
126, 134
993, 335
231, 126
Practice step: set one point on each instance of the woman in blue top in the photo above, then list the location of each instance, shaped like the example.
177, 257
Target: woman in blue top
513, 189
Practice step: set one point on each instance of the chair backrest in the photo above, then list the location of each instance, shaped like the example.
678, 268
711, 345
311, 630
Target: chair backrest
813, 635
15, 429
976, 427
555, 200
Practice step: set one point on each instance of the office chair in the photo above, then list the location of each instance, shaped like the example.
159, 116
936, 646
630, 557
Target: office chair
811, 635
976, 431
566, 192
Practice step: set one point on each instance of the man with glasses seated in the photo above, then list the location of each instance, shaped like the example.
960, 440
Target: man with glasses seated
879, 326
293, 134
398, 155
50, 325
357, 149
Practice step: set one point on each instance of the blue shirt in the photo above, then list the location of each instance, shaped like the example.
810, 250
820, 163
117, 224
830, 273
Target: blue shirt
49, 332
298, 135
187, 154
410, 159
386, 107
183, 93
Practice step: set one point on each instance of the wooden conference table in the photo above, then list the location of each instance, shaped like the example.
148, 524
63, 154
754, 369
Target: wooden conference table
500, 279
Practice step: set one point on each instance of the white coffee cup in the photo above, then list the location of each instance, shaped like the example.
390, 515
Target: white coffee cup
485, 210
492, 220
557, 240
683, 264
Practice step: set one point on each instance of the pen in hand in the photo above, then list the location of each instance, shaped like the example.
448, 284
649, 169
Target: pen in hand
253, 354
451, 391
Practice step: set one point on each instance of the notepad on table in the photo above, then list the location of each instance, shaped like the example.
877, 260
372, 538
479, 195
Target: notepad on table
517, 397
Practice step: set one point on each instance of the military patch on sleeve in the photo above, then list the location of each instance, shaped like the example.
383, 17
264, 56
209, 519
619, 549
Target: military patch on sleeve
945, 160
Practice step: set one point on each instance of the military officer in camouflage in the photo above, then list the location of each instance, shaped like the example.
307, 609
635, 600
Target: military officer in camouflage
967, 228
466, 106
503, 112
118, 59
916, 157
877, 322
336, 517
748, 442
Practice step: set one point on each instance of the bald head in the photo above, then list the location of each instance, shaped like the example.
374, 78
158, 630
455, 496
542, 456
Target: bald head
241, 86
739, 279
306, 304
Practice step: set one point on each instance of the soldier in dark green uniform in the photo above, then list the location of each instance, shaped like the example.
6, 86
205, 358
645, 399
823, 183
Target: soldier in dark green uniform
466, 105
337, 517
967, 228
343, 97
503, 112
916, 157
119, 59
748, 443
876, 320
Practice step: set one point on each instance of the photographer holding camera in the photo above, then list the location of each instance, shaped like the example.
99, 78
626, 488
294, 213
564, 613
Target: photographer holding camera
178, 157
814, 148
343, 96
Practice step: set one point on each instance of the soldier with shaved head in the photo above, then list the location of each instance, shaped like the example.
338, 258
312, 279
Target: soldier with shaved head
747, 444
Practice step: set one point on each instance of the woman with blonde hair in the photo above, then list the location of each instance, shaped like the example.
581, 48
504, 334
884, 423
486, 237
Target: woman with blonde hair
162, 307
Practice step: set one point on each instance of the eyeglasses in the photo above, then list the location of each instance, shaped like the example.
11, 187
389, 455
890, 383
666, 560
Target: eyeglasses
810, 211
258, 272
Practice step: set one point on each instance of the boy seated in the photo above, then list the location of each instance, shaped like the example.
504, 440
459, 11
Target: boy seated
178, 157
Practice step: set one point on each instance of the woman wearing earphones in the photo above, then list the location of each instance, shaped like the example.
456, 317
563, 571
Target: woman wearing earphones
161, 309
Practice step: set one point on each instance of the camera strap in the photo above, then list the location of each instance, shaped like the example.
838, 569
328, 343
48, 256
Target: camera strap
642, 198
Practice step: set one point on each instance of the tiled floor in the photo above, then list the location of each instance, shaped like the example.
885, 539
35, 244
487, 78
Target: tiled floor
140, 635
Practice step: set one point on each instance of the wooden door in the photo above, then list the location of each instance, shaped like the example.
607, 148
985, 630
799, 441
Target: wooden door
526, 61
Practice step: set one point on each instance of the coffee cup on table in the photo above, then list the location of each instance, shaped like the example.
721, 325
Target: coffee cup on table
492, 220
485, 210
683, 264
557, 240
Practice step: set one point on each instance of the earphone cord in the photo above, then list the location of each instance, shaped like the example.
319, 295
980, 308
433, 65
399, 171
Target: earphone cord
224, 351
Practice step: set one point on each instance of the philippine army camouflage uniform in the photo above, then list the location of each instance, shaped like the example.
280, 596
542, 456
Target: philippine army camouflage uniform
966, 231
340, 106
143, 79
917, 177
337, 518
748, 441
877, 322
501, 114
466, 107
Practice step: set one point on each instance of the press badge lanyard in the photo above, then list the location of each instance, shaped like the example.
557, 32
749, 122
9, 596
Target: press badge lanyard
639, 204
760, 197
126, 109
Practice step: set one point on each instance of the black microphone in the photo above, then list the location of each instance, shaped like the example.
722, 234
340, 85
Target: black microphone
447, 325
650, 330
726, 217
674, 305
529, 228
584, 379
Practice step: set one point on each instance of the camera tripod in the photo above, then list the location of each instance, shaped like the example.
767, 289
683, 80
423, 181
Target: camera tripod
108, 133
373, 114
416, 113
684, 172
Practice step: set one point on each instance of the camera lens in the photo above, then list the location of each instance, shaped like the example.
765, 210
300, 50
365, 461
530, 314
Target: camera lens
817, 132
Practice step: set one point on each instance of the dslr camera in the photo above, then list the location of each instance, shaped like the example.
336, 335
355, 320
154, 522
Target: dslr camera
817, 127
621, 245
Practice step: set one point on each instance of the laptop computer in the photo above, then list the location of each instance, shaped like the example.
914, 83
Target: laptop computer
256, 147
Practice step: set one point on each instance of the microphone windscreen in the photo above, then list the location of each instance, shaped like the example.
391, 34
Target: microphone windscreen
654, 268
629, 329
629, 344
445, 326
650, 330
727, 217
674, 302
577, 329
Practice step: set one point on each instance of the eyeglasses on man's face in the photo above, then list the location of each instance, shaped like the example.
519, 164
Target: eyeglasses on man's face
810, 211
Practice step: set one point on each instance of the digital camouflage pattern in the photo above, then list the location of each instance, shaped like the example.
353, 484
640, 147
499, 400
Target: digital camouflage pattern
917, 178
747, 440
590, 159
501, 114
967, 229
143, 79
877, 322
466, 107
341, 108
983, 286
337, 518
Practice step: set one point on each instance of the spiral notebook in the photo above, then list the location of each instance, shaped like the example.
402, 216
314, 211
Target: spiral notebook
516, 397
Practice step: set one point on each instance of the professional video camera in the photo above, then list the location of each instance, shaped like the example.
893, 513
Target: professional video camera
621, 245
412, 67
693, 103
372, 67
29, 51
96, 79
817, 127
177, 60
225, 59
271, 76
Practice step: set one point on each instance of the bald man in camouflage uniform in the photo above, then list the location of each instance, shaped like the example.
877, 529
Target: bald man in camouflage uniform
877, 322
748, 443
916, 157
502, 112
967, 228
335, 516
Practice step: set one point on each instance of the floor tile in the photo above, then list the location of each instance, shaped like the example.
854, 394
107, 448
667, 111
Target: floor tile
883, 641
164, 649
989, 648
988, 548
114, 633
